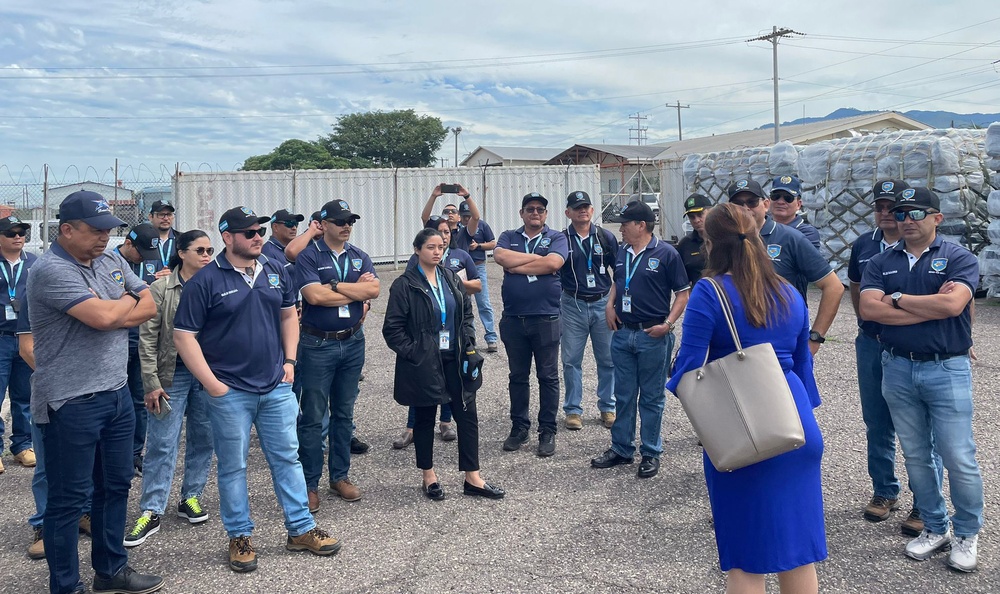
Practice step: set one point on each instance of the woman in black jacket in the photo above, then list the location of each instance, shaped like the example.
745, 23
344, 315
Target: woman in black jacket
428, 323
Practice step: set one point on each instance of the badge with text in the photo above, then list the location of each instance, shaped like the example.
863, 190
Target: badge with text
591, 281
444, 340
626, 303
344, 311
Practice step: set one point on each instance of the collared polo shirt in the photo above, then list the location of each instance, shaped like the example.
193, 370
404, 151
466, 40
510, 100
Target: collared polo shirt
317, 264
793, 257
811, 233
943, 261
13, 284
275, 251
484, 234
540, 297
594, 255
689, 248
866, 247
72, 358
659, 272
239, 324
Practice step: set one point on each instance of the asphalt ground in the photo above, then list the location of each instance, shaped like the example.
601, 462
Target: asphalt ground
563, 525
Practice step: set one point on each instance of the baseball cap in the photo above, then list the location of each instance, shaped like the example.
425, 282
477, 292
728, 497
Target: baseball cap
534, 197
337, 210
888, 189
696, 203
161, 205
89, 207
787, 183
637, 210
745, 185
917, 198
239, 218
283, 215
146, 239
577, 199
316, 216
8, 223
464, 209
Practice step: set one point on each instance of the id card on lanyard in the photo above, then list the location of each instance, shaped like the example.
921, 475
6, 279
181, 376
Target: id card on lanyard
344, 311
531, 250
444, 335
165, 248
630, 270
11, 310
591, 278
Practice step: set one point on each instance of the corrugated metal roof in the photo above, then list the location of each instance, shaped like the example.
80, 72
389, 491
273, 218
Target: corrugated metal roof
623, 151
516, 153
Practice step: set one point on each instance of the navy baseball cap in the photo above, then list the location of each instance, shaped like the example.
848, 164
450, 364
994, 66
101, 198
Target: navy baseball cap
787, 183
637, 210
337, 210
239, 218
464, 210
745, 185
921, 198
888, 189
578, 199
534, 197
316, 216
696, 203
283, 215
89, 207
161, 205
8, 223
146, 239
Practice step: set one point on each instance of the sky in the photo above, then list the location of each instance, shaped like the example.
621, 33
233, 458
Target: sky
209, 83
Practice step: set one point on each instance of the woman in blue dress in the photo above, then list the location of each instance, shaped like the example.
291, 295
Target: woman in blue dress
768, 516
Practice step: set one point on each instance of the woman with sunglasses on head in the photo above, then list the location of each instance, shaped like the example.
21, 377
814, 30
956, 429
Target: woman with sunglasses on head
429, 325
168, 383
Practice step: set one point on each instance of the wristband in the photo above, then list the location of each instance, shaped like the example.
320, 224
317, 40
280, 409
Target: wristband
291, 362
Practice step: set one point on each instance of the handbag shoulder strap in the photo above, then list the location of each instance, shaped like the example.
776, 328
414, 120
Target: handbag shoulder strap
727, 311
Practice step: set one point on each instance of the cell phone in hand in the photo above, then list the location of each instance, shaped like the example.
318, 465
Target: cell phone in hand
449, 188
164, 408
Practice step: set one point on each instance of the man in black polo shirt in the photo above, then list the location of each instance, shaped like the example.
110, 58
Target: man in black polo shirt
696, 208
921, 291
335, 278
531, 257
284, 228
161, 217
235, 327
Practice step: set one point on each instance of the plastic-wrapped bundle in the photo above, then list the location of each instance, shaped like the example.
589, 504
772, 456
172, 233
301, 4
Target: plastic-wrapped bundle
993, 140
993, 203
783, 159
994, 232
989, 261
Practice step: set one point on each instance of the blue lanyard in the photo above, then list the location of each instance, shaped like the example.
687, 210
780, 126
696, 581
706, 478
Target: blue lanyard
165, 253
439, 295
629, 269
527, 242
590, 254
444, 256
12, 286
341, 274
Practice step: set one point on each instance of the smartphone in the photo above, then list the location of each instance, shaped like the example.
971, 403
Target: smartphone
164, 408
449, 188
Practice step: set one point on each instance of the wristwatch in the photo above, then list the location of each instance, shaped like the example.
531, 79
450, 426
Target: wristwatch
334, 283
291, 362
895, 299
816, 337
670, 326
134, 295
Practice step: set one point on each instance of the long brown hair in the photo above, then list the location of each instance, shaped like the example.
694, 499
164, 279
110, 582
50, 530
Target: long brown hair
735, 247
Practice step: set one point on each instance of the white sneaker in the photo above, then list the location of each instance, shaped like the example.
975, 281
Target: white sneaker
924, 546
964, 550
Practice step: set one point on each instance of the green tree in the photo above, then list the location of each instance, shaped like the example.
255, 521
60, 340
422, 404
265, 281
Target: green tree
295, 154
386, 139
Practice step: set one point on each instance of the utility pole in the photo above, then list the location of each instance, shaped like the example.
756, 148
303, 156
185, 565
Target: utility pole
640, 132
457, 131
679, 107
775, 35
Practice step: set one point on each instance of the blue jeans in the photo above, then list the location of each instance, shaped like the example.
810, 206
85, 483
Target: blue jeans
15, 376
40, 482
935, 398
411, 416
273, 414
163, 441
138, 400
581, 320
640, 374
483, 303
88, 445
525, 338
330, 370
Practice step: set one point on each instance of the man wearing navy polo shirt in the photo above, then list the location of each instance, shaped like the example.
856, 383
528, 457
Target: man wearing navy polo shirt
642, 318
794, 258
475, 236
15, 374
284, 228
83, 299
161, 217
531, 257
786, 202
921, 291
335, 278
234, 328
586, 279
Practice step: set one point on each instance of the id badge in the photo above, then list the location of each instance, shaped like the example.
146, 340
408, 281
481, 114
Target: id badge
444, 340
591, 281
603, 270
627, 303
9, 313
532, 278
344, 311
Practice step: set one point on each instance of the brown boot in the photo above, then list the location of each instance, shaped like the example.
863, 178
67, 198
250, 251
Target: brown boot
37, 548
26, 458
242, 557
608, 419
315, 541
313, 501
346, 490
879, 508
912, 525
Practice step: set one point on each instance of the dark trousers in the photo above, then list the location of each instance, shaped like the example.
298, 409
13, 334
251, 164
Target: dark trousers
466, 421
524, 338
88, 444
138, 400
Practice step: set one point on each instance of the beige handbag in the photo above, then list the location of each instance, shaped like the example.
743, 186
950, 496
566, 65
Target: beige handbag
740, 405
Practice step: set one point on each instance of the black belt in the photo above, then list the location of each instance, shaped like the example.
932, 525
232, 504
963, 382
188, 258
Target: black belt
6, 333
643, 325
587, 298
338, 335
922, 356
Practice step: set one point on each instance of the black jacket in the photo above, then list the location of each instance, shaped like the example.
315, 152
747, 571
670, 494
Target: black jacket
411, 330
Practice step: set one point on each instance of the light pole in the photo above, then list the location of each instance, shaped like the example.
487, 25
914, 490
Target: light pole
457, 130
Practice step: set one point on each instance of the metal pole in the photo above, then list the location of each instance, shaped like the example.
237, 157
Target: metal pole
45, 210
774, 42
395, 218
457, 131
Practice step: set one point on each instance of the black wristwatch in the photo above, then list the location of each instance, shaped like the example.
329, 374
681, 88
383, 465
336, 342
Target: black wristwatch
134, 295
291, 362
816, 337
895, 299
334, 283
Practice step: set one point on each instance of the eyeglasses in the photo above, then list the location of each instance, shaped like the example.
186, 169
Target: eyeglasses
341, 222
534, 209
250, 233
915, 215
449, 211
884, 207
13, 233
783, 196
749, 203
201, 251
289, 224
163, 215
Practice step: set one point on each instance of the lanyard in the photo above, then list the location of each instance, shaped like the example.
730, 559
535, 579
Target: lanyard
527, 242
165, 248
341, 274
439, 296
444, 256
629, 269
12, 286
590, 254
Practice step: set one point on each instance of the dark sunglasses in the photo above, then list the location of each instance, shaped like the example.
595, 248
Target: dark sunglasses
289, 224
251, 233
201, 251
915, 215
13, 233
783, 196
749, 203
341, 222
449, 211
534, 209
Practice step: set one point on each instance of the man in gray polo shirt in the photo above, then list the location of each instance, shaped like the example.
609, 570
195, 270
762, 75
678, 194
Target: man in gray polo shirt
83, 300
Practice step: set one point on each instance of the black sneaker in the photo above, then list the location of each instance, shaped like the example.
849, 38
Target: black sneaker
127, 582
147, 525
518, 437
546, 443
137, 464
358, 446
191, 509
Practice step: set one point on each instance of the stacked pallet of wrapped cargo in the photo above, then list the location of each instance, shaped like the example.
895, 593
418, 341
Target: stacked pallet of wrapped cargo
989, 258
710, 174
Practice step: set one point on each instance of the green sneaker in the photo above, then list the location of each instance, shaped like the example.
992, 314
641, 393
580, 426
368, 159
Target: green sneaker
191, 509
147, 525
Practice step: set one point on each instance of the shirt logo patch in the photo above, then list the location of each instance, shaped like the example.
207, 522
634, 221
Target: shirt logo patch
939, 264
887, 186
454, 262
654, 263
156, 242
545, 242
118, 277
150, 268
274, 280
598, 249
773, 251
357, 263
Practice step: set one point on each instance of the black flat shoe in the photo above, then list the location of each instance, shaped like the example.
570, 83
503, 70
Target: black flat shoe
608, 459
648, 467
434, 491
487, 490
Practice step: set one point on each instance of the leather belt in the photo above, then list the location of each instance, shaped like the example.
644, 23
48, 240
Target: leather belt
923, 356
338, 335
587, 298
643, 325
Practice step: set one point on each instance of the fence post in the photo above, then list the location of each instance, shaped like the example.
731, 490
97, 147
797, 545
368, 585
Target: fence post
395, 217
45, 210
295, 204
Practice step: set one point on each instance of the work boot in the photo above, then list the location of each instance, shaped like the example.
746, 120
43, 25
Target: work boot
26, 458
346, 490
315, 541
37, 548
242, 557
